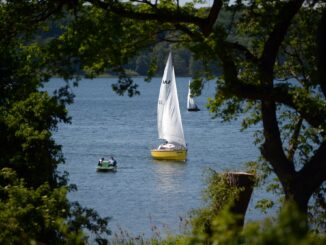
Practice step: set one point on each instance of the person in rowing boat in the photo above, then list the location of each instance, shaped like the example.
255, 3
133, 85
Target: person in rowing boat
100, 161
113, 161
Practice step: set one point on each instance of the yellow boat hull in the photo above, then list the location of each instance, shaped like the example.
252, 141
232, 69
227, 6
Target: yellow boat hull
176, 155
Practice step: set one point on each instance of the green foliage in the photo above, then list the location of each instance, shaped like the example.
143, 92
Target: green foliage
220, 197
28, 116
223, 105
34, 215
289, 228
33, 195
43, 214
98, 42
215, 224
220, 230
196, 87
317, 214
264, 205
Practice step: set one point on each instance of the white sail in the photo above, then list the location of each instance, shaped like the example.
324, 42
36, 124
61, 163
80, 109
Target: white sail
168, 112
191, 105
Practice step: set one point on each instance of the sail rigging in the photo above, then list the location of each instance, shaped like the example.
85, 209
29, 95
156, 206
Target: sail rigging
168, 112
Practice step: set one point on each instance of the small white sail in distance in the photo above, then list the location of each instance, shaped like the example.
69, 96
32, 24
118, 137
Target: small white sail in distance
191, 104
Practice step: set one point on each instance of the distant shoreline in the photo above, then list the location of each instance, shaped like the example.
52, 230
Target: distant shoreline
112, 76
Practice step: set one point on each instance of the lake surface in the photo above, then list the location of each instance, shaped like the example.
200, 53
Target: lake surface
143, 192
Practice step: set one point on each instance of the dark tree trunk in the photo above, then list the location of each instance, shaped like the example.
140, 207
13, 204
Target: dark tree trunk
300, 200
245, 182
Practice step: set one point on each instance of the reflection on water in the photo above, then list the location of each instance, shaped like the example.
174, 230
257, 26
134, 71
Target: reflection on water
169, 174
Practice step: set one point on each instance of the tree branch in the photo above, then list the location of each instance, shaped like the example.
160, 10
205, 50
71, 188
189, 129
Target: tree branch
158, 14
282, 94
44, 15
212, 17
321, 52
272, 148
246, 52
294, 140
164, 15
316, 167
276, 37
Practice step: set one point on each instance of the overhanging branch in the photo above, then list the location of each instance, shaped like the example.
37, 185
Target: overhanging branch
276, 37
164, 14
157, 14
283, 95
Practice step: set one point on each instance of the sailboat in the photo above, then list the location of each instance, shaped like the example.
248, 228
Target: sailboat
191, 104
169, 123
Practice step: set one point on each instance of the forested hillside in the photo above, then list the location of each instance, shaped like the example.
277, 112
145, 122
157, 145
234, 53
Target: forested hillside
185, 64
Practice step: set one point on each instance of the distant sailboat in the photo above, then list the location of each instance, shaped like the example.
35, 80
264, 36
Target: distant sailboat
169, 119
191, 104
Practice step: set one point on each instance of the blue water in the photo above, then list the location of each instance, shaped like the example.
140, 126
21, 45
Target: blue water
143, 192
